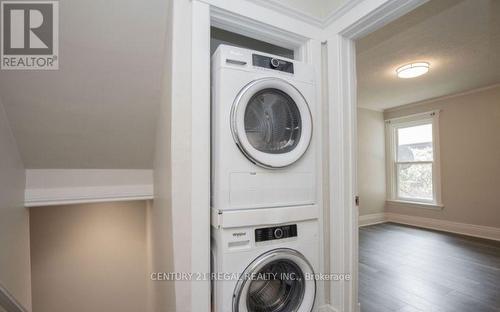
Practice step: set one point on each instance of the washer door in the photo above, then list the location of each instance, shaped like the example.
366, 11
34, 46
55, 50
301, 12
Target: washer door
271, 123
276, 282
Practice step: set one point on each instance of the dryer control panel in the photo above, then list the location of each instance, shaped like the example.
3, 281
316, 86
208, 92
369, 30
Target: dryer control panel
276, 232
272, 63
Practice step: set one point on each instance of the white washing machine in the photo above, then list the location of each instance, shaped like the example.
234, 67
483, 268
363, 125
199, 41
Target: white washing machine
263, 151
265, 268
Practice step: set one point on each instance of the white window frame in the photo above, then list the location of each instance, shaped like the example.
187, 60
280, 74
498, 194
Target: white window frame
392, 125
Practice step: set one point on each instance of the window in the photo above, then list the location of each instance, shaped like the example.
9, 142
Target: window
413, 162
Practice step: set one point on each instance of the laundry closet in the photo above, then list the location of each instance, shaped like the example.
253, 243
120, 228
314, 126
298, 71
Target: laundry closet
265, 219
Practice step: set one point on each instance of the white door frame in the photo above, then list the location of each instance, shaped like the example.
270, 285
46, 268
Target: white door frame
367, 16
250, 19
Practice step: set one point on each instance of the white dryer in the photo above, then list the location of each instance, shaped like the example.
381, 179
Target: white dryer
265, 268
263, 151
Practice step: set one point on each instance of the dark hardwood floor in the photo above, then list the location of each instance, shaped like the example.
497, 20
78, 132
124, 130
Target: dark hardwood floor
408, 269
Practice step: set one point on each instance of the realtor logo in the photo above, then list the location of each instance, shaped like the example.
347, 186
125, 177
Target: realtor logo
30, 31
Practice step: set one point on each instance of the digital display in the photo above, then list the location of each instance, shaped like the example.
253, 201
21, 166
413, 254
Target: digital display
277, 232
272, 63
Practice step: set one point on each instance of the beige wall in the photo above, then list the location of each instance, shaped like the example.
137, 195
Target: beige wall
470, 157
90, 257
371, 161
14, 218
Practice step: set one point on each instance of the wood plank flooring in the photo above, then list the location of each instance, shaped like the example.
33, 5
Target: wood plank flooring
407, 269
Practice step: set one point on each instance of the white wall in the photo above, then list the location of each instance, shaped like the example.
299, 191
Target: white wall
14, 218
161, 223
371, 161
470, 157
89, 257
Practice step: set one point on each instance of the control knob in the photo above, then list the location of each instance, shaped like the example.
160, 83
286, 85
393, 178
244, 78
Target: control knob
275, 63
278, 233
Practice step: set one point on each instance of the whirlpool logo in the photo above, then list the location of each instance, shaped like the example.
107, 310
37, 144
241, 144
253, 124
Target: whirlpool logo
239, 234
30, 31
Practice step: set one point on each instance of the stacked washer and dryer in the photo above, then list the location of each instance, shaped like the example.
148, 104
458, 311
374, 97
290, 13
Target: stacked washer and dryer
264, 214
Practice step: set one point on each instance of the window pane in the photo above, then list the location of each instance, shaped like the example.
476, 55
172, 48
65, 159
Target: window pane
415, 143
415, 181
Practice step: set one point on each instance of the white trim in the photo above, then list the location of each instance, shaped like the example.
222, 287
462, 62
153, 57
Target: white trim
480, 231
339, 12
257, 21
265, 216
8, 303
342, 171
313, 55
367, 16
370, 219
327, 308
390, 144
440, 98
308, 18
392, 125
45, 187
374, 109
291, 12
81, 195
200, 158
412, 204
245, 26
413, 117
436, 150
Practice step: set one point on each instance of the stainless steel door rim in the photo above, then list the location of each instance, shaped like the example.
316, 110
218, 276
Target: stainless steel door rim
276, 294
271, 123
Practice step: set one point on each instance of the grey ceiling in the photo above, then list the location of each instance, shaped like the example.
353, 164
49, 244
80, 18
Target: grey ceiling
99, 109
460, 38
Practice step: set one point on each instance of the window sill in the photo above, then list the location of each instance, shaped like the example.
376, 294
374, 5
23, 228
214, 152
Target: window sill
410, 204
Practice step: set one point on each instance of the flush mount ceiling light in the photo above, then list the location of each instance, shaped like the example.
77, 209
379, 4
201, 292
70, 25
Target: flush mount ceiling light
413, 70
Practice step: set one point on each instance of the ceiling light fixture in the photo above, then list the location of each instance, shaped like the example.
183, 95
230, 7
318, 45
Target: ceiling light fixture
413, 70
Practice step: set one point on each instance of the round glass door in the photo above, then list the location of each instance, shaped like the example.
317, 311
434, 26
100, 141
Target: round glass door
276, 282
271, 123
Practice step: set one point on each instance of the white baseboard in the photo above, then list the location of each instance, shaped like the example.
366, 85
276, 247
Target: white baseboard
371, 219
327, 308
447, 226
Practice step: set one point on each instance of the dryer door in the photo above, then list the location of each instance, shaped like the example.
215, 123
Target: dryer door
271, 123
277, 281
